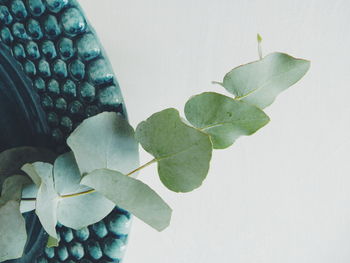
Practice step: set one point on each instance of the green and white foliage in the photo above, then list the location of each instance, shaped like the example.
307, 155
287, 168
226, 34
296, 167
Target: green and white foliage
81, 187
82, 210
59, 198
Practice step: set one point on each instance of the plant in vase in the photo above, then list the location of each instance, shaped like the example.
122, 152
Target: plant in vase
81, 187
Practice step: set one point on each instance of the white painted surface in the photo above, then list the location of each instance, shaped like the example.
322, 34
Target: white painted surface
282, 195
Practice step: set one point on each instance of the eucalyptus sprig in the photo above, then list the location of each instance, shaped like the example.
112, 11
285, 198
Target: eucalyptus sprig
82, 187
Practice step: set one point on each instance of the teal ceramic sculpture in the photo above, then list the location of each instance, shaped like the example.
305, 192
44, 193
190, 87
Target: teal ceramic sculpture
53, 75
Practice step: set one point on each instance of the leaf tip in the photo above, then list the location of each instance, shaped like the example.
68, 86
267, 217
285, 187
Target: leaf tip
52, 242
166, 223
259, 38
217, 83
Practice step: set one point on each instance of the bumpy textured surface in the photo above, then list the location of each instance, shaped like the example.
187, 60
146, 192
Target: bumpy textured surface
61, 54
102, 242
57, 49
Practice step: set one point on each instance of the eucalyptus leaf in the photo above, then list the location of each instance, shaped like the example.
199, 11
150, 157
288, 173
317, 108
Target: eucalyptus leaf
46, 209
67, 175
13, 235
12, 160
33, 170
183, 153
104, 141
224, 118
260, 82
12, 188
47, 198
83, 210
132, 195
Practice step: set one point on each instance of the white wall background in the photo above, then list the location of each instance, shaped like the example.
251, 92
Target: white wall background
282, 195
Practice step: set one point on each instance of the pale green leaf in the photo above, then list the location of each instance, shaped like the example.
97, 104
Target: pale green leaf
33, 170
260, 82
12, 188
13, 235
132, 195
224, 118
83, 210
47, 198
104, 141
183, 152
12, 160
67, 175
46, 209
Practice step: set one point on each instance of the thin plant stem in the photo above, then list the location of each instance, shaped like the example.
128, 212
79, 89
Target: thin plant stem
260, 51
141, 167
92, 190
79, 194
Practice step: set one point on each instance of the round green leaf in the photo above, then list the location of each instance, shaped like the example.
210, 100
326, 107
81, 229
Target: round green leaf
224, 118
132, 195
183, 153
84, 210
260, 82
47, 198
104, 141
67, 175
13, 235
78, 211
